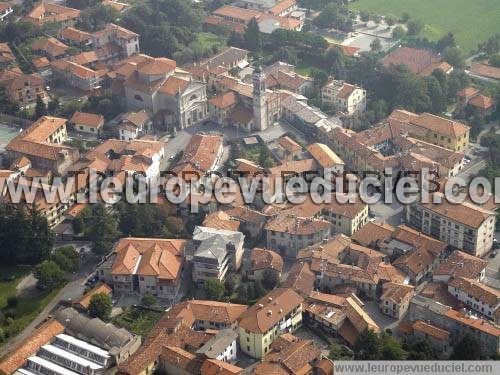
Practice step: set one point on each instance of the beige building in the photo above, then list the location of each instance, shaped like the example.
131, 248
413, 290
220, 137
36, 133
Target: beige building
465, 226
395, 299
278, 312
89, 123
344, 97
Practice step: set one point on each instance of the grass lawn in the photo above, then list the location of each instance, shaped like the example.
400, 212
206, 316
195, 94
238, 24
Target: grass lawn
8, 288
205, 42
472, 22
137, 320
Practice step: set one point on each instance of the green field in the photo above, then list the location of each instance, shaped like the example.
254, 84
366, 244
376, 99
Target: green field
472, 21
205, 41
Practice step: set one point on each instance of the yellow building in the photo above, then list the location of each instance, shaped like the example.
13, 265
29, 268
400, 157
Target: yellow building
437, 130
277, 312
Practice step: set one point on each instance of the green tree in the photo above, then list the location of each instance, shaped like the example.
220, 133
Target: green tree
364, 15
405, 17
391, 349
398, 32
148, 299
214, 289
414, 27
253, 37
6, 104
454, 57
367, 346
390, 20
446, 41
235, 40
40, 107
436, 95
101, 227
242, 294
53, 105
67, 258
270, 279
419, 350
230, 285
339, 352
376, 45
49, 275
467, 348
335, 63
100, 306
495, 60
258, 288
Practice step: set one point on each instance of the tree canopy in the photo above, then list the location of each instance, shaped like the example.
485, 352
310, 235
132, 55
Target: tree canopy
100, 306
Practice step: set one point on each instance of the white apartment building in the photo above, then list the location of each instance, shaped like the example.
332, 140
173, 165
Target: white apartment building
476, 295
465, 226
344, 97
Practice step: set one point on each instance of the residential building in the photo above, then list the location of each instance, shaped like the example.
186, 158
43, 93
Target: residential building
288, 149
418, 61
395, 299
22, 88
275, 7
50, 47
465, 226
288, 234
76, 37
325, 315
300, 278
484, 71
222, 347
264, 261
6, 55
460, 264
5, 10
279, 311
89, 123
146, 265
125, 41
41, 144
76, 75
114, 156
457, 323
292, 355
344, 97
281, 75
326, 158
84, 302
471, 98
481, 298
132, 125
201, 156
437, 130
45, 12
216, 252
438, 338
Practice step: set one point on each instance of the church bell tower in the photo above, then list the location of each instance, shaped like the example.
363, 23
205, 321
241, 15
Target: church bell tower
259, 99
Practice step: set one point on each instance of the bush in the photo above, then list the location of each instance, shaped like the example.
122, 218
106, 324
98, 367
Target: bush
148, 299
100, 306
12, 301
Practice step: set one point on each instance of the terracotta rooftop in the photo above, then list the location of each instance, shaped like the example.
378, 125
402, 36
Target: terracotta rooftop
237, 13
465, 213
46, 12
482, 101
216, 367
29, 346
50, 45
101, 288
289, 144
275, 305
485, 70
40, 62
201, 153
74, 35
396, 292
281, 6
221, 220
87, 119
460, 264
300, 278
161, 258
418, 61
224, 100
430, 330
479, 291
287, 223
6, 55
474, 323
468, 92
266, 259
324, 155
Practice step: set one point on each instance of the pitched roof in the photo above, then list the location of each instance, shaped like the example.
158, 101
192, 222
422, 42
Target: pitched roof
324, 155
201, 153
74, 35
87, 119
50, 12
460, 264
473, 322
430, 330
468, 92
266, 259
50, 45
479, 291
418, 61
6, 55
287, 223
236, 13
174, 85
29, 346
224, 100
216, 367
485, 70
162, 258
101, 288
373, 232
269, 310
396, 292
289, 144
464, 213
300, 278
358, 317
221, 220
482, 101
281, 6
